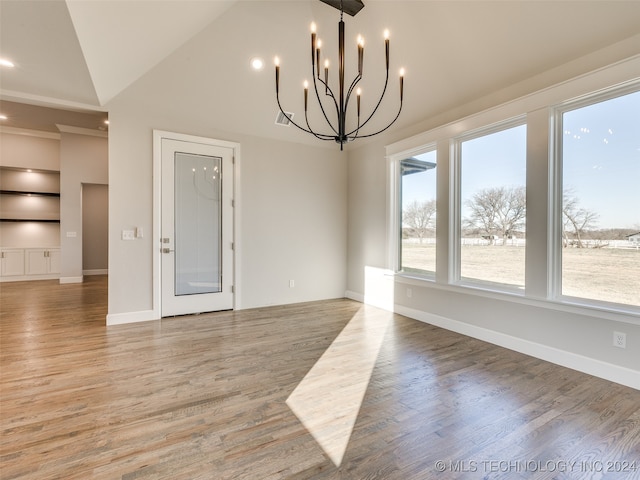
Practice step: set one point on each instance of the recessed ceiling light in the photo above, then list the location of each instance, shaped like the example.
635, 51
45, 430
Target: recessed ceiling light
257, 63
6, 63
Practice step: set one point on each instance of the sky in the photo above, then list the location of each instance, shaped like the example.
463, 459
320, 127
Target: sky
600, 152
601, 155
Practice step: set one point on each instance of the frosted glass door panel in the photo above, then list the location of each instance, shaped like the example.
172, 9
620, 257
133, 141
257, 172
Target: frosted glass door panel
198, 224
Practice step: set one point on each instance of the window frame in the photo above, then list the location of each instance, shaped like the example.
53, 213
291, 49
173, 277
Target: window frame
395, 247
537, 107
456, 203
556, 128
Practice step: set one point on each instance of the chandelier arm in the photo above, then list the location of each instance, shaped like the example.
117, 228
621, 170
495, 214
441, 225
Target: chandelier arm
320, 136
329, 92
351, 135
379, 131
384, 90
315, 87
352, 86
328, 137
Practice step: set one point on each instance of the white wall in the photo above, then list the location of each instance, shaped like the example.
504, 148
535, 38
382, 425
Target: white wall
576, 337
83, 159
25, 150
290, 199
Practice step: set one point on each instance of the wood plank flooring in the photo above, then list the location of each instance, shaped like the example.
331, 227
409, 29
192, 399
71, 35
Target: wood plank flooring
205, 397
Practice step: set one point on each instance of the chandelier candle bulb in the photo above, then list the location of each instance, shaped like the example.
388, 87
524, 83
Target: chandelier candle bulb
276, 61
360, 54
358, 92
306, 94
326, 76
401, 83
386, 47
313, 43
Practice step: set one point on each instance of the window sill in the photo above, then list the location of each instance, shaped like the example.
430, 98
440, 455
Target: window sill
613, 312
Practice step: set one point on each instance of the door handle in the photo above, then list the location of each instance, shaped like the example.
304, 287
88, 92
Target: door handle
166, 250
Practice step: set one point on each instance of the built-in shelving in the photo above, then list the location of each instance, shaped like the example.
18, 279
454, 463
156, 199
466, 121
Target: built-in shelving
40, 220
16, 185
29, 194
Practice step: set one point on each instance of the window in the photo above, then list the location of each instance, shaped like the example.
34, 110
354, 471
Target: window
418, 219
543, 179
600, 177
492, 207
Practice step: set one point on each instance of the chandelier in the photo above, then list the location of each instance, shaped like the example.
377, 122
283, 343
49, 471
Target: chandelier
337, 127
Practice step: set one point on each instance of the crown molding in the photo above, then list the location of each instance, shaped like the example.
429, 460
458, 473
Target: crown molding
82, 131
30, 133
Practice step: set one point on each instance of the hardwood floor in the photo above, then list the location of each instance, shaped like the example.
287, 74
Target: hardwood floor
205, 397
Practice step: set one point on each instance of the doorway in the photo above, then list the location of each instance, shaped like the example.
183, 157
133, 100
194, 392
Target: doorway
95, 229
196, 224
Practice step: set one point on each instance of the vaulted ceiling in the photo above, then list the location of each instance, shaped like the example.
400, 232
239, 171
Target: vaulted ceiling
81, 54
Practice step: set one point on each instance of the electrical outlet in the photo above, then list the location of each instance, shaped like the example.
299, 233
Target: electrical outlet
292, 283
620, 339
409, 293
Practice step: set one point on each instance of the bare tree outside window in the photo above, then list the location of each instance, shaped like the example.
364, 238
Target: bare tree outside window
575, 220
419, 217
418, 228
498, 212
493, 208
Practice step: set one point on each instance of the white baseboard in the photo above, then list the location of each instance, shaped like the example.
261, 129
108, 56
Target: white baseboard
597, 368
358, 297
71, 279
29, 278
131, 317
99, 271
615, 373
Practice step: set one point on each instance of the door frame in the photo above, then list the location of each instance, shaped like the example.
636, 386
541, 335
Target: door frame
158, 136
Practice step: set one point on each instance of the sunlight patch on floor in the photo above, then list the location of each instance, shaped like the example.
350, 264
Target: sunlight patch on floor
328, 398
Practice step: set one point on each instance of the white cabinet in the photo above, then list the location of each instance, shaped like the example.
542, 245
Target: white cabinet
54, 260
42, 261
11, 262
29, 264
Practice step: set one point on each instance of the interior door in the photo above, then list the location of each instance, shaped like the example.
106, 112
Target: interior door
196, 227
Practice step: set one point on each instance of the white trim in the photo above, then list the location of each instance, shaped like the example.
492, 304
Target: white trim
64, 280
131, 317
82, 131
30, 133
358, 297
455, 193
597, 368
394, 215
28, 278
591, 310
158, 136
98, 271
42, 101
556, 183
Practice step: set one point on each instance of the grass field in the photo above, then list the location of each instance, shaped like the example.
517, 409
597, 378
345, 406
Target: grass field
611, 275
